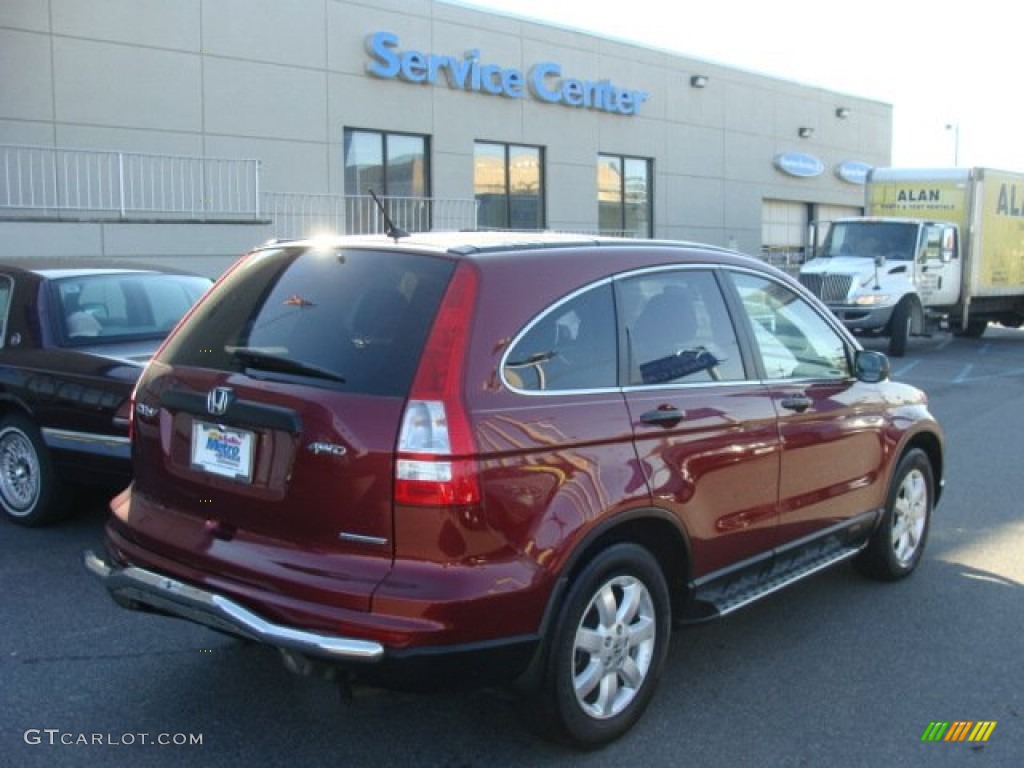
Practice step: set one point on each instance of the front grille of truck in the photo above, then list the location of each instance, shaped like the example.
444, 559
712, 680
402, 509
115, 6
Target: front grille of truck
828, 288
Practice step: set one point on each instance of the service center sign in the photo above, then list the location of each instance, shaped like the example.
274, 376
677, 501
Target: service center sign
543, 81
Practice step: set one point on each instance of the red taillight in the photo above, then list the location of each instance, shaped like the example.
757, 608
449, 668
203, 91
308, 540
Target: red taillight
435, 464
436, 483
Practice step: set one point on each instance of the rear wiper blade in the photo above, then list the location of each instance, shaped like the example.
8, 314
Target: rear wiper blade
254, 357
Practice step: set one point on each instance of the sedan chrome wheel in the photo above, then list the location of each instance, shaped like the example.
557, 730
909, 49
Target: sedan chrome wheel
19, 472
30, 492
614, 647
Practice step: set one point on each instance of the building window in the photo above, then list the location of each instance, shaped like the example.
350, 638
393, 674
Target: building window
508, 180
395, 166
624, 196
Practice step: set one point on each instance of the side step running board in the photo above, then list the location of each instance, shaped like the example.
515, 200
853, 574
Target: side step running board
722, 597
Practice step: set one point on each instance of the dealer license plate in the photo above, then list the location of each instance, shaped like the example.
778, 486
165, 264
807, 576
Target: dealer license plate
222, 451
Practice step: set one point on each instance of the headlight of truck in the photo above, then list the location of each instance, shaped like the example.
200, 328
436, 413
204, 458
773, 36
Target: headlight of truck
871, 299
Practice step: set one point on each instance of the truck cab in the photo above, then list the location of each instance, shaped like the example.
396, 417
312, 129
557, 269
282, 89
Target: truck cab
886, 276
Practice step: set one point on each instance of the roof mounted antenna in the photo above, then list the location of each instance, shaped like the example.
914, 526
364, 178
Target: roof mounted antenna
392, 231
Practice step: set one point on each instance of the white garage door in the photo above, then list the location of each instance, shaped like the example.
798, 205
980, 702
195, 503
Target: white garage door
785, 226
783, 232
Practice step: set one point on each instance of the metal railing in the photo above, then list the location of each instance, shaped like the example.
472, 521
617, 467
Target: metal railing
303, 215
620, 233
52, 183
787, 259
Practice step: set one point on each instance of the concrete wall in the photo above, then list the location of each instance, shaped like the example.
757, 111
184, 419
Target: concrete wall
206, 249
280, 81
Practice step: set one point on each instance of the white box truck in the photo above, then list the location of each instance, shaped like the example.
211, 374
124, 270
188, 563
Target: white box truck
938, 248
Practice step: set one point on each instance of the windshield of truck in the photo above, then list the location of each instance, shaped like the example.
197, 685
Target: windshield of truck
869, 239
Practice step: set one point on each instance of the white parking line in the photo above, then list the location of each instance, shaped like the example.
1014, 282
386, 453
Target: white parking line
964, 374
906, 368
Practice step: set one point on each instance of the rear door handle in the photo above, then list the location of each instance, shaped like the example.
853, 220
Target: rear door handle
663, 415
798, 403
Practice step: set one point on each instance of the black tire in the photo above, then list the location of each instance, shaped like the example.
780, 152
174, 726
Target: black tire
30, 493
604, 665
1010, 321
975, 329
896, 547
899, 329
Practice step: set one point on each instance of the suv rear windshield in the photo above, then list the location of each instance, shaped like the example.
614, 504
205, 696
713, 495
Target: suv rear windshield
346, 319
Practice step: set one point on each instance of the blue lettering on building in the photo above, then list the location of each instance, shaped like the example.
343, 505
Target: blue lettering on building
469, 72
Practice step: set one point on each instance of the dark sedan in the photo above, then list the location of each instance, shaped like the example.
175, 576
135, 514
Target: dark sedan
73, 341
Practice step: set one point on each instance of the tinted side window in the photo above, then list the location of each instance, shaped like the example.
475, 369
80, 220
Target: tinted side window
572, 346
677, 329
793, 340
349, 319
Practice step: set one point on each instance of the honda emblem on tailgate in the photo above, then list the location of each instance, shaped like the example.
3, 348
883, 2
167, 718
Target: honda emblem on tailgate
219, 400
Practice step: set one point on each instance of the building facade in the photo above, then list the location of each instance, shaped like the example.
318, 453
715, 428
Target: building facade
192, 130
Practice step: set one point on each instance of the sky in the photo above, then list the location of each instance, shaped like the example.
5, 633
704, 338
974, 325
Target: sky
951, 70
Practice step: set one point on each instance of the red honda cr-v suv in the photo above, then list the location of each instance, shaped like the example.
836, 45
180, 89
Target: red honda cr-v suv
494, 457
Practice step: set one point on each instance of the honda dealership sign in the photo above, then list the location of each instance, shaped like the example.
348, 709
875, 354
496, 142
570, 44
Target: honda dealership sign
799, 164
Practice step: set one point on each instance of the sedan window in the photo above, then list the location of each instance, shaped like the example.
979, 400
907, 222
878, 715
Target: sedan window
124, 306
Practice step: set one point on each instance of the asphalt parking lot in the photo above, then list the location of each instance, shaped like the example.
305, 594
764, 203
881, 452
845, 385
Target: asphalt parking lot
835, 671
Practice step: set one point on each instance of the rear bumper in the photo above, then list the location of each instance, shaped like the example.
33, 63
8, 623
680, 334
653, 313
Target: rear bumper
472, 664
134, 587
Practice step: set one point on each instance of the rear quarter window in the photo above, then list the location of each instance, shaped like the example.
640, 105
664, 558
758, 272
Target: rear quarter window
570, 347
361, 317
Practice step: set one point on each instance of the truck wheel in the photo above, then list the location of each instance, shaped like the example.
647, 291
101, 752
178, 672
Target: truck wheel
30, 493
1011, 321
895, 548
974, 329
609, 646
899, 331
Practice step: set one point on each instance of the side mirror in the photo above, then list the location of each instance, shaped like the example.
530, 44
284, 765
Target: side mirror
870, 366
